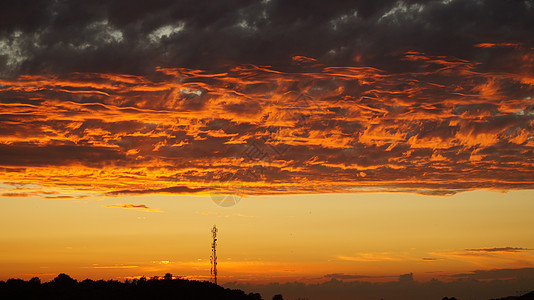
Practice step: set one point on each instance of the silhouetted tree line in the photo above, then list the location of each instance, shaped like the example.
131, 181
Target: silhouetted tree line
64, 287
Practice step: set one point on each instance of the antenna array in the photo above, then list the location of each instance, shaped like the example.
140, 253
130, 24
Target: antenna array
213, 258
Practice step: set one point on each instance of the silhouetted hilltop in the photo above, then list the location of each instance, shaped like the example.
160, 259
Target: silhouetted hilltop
528, 296
64, 287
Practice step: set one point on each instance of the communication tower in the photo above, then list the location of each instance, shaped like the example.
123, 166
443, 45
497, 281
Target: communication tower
213, 258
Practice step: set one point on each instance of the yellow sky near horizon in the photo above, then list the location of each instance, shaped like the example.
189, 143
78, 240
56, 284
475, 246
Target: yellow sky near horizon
269, 238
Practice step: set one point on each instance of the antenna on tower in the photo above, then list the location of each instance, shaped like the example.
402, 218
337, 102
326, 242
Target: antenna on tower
213, 258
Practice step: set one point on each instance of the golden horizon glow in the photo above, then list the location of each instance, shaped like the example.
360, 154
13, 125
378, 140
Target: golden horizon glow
268, 239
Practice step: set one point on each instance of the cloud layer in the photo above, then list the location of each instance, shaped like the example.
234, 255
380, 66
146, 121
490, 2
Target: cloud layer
491, 284
133, 206
268, 97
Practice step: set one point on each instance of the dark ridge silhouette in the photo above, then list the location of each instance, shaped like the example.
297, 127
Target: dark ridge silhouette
527, 296
65, 287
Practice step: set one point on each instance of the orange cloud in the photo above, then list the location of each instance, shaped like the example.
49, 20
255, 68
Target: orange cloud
443, 126
16, 195
495, 45
488, 258
133, 206
303, 59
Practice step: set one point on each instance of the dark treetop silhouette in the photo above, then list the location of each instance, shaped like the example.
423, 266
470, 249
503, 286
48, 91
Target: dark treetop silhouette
64, 287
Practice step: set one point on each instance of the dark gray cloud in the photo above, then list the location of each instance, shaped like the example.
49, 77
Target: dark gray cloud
81, 36
499, 249
342, 276
497, 274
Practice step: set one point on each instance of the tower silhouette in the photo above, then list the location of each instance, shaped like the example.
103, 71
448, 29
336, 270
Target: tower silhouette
213, 258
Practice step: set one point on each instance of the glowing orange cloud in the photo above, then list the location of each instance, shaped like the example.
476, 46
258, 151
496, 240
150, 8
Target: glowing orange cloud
446, 126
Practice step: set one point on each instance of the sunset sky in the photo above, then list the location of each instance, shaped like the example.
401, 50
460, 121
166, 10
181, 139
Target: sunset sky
348, 140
